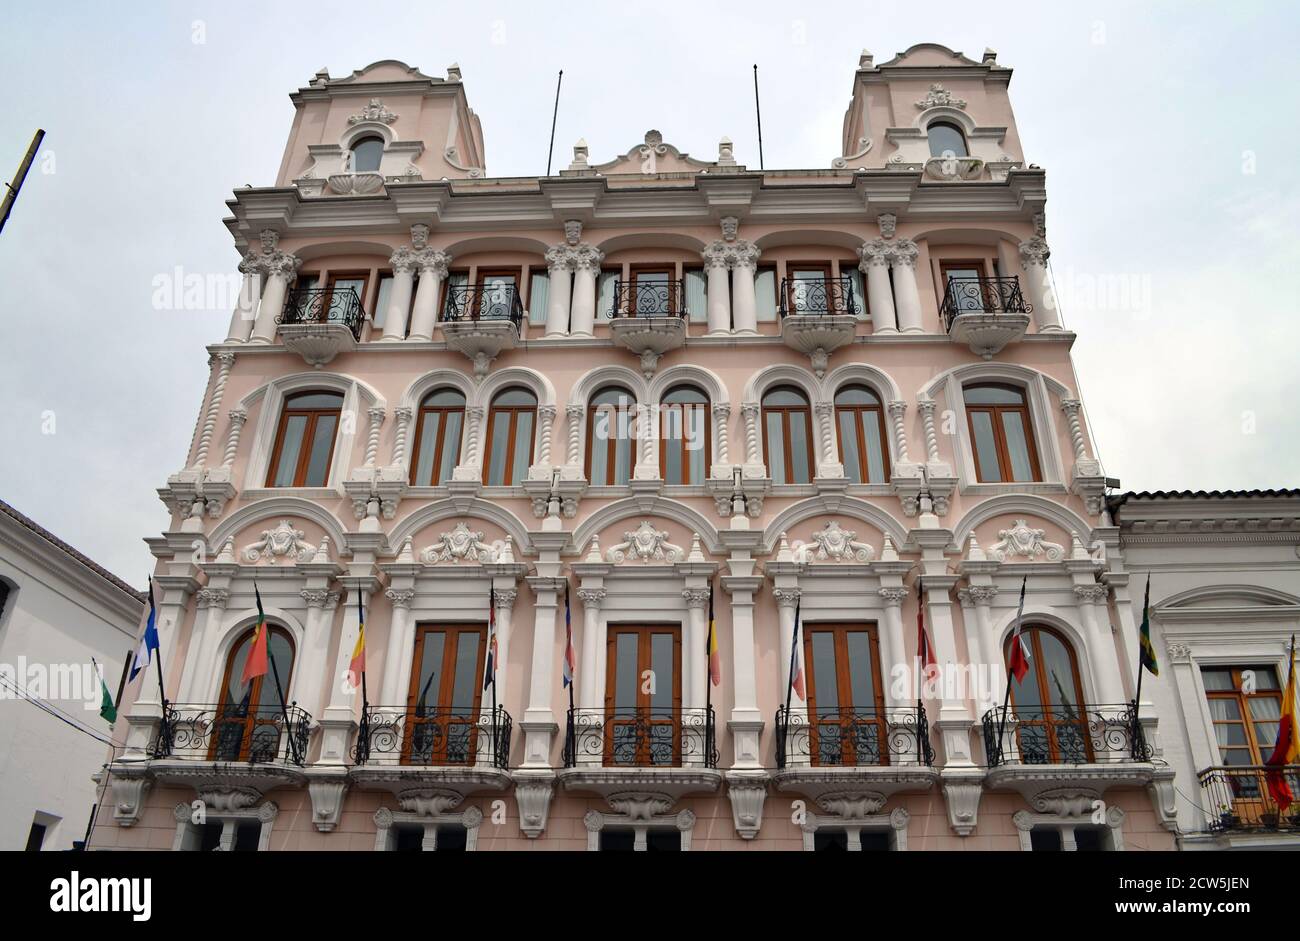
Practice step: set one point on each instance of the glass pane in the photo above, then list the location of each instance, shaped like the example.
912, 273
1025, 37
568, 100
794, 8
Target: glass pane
1045, 839
945, 141
626, 676
1221, 708
603, 423
697, 295
622, 460
986, 449
450, 446
765, 292
1028, 697
382, 299
861, 672
1059, 672
515, 396
849, 446
1265, 678
427, 447
875, 447
341, 295
800, 472
775, 446
445, 397
697, 430
992, 395
670, 443
290, 448
430, 667
1263, 708
605, 291
523, 446
665, 672
856, 395
1230, 734
236, 690
663, 841
366, 155
322, 443
1013, 425
856, 301
785, 396
279, 654
466, 682
825, 680
500, 443
651, 292
539, 291
1216, 679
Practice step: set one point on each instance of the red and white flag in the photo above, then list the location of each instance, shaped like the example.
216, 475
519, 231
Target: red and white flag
1018, 657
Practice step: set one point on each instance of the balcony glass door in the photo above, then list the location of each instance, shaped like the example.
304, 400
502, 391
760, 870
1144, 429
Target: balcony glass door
443, 705
643, 695
846, 706
809, 287
965, 284
1051, 719
652, 293
346, 293
250, 715
496, 294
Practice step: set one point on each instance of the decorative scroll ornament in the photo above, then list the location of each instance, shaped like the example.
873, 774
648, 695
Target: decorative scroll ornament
374, 111
462, 544
1021, 540
646, 544
833, 543
282, 542
938, 95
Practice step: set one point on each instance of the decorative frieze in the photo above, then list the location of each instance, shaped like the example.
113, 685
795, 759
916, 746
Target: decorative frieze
284, 542
833, 543
1024, 541
645, 544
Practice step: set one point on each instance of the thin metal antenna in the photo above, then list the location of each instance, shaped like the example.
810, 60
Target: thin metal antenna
554, 114
758, 112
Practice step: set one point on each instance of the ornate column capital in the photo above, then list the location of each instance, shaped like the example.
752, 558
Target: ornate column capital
787, 597
403, 413
592, 597
925, 406
403, 260
281, 265
721, 410
213, 597
904, 253
696, 598
750, 409
559, 258
1070, 406
319, 598
874, 254
251, 264
1034, 252
983, 595
897, 408
575, 411
505, 598
894, 597
744, 255
1091, 594
432, 260
547, 412
376, 414
400, 598
586, 257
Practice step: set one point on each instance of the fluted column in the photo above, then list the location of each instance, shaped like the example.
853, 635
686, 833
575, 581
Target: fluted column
401, 643
237, 419
721, 420
903, 262
716, 264
250, 292
586, 265
591, 691
376, 414
880, 296
697, 602
403, 416
1038, 285
399, 301
891, 640
224, 362
897, 409
559, 265
575, 415
433, 269
744, 265
281, 268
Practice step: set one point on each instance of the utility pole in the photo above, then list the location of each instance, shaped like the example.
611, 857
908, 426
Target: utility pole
11, 192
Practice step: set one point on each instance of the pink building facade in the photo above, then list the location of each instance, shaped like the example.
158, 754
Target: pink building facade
604, 404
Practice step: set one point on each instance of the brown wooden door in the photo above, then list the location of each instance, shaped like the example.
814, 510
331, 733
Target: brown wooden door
442, 706
846, 701
643, 696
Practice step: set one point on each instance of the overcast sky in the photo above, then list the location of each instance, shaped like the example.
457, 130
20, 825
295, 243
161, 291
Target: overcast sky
1168, 132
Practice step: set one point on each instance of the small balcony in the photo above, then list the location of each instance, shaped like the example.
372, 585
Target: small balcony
481, 320
238, 733
394, 735
1244, 798
648, 317
319, 323
818, 316
985, 313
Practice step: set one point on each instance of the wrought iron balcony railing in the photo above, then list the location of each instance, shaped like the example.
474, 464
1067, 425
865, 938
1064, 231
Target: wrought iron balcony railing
489, 301
981, 296
324, 305
256, 734
817, 296
836, 738
642, 298
1065, 734
1244, 797
635, 737
391, 735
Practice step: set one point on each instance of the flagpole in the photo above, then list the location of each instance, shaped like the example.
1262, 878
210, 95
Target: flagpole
708, 659
162, 693
1006, 697
920, 639
568, 639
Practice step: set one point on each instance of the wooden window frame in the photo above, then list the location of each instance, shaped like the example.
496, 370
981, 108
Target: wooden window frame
664, 441
864, 465
634, 274
611, 444
981, 265
1247, 719
785, 411
845, 707
828, 274
446, 685
514, 411
644, 633
444, 411
308, 438
250, 722
1002, 452
1048, 720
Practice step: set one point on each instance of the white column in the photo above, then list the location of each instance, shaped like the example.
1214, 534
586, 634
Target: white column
433, 268
224, 361
697, 626
830, 465
545, 432
1033, 257
1107, 683
203, 640
250, 292
470, 467
744, 257
403, 414
892, 652
787, 599
172, 602
586, 265
575, 415
897, 409
721, 457
539, 724
905, 290
591, 691
401, 640
399, 301
313, 666
926, 408
280, 268
746, 721
719, 306
560, 290
880, 296
238, 417
983, 641
753, 456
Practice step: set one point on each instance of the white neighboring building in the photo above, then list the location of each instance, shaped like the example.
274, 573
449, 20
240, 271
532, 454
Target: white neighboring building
57, 610
1225, 601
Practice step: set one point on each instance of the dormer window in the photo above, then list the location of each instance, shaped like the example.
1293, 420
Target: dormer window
366, 154
946, 140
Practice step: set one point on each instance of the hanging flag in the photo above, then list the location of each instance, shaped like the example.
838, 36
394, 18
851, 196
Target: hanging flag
1148, 655
255, 665
570, 661
107, 710
490, 673
1018, 659
358, 665
1287, 749
923, 648
796, 662
715, 661
148, 640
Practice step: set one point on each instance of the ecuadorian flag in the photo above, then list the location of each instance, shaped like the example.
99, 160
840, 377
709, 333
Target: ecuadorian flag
715, 661
1144, 635
358, 665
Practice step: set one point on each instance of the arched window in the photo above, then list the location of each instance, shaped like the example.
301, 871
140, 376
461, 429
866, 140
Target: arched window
684, 441
366, 154
249, 715
511, 422
1001, 435
946, 140
437, 437
304, 443
860, 417
610, 437
787, 436
1051, 716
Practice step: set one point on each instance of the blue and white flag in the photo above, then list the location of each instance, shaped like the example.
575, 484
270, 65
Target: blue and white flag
148, 640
